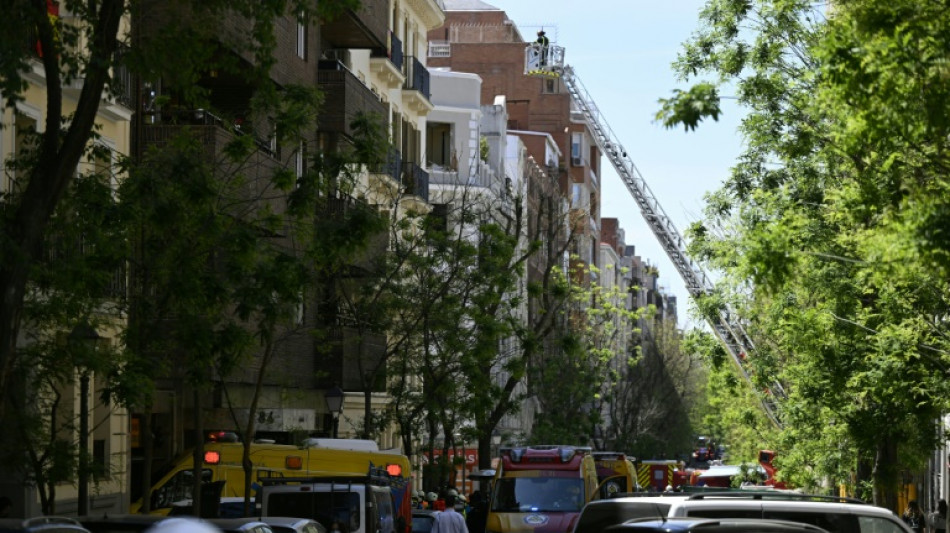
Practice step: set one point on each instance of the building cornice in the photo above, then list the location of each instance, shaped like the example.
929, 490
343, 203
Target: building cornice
429, 12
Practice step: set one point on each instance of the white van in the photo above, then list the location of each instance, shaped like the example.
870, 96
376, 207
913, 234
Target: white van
359, 505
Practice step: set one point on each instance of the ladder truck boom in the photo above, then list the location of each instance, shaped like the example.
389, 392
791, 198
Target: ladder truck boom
548, 61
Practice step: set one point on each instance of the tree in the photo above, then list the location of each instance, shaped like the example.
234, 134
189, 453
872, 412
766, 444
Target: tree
657, 394
828, 247
63, 314
61, 144
569, 382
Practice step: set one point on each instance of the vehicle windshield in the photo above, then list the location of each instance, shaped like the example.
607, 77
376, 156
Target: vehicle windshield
538, 494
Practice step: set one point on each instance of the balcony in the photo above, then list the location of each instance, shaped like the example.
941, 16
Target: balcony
364, 27
345, 97
212, 131
387, 63
415, 181
415, 90
336, 214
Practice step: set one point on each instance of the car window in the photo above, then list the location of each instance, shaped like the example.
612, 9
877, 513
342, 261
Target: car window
324, 507
422, 524
879, 524
834, 522
594, 518
538, 494
384, 506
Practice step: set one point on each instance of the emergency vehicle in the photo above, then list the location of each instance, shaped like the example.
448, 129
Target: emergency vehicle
372, 502
658, 474
541, 489
616, 473
316, 457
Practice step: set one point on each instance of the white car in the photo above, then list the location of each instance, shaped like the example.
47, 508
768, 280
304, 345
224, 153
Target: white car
836, 515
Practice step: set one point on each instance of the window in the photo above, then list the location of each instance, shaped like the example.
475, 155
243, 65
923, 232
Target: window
439, 218
577, 144
439, 141
301, 40
550, 86
99, 460
177, 488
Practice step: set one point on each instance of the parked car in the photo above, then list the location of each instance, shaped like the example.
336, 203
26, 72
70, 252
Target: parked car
422, 520
139, 523
836, 515
288, 524
600, 514
709, 525
41, 524
130, 523
240, 525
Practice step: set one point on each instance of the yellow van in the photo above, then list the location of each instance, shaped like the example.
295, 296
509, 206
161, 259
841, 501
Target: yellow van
316, 457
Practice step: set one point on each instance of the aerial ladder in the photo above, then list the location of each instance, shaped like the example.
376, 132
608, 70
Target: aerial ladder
548, 61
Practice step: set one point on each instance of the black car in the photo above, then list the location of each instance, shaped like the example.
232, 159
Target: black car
711, 525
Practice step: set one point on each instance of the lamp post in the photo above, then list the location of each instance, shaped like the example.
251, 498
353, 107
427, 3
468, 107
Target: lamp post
89, 337
334, 398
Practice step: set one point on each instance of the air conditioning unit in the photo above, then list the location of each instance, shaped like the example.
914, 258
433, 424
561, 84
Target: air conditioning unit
577, 162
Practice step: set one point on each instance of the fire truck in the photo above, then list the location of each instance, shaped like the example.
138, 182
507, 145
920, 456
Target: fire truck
541, 489
658, 475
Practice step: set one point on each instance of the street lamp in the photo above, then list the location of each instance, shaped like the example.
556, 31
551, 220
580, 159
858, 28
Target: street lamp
89, 337
334, 399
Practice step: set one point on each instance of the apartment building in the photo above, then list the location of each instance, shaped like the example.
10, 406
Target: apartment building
480, 38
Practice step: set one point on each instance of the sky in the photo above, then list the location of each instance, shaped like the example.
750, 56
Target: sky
622, 51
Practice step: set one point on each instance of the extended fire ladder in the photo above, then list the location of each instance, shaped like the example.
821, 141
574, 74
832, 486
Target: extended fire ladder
549, 62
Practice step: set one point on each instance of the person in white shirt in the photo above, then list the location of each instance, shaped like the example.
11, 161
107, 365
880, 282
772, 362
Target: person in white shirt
449, 521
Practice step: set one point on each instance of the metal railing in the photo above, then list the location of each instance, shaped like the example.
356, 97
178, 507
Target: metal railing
417, 76
415, 180
440, 49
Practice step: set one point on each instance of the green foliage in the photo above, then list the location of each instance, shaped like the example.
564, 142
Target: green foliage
569, 379
690, 107
828, 247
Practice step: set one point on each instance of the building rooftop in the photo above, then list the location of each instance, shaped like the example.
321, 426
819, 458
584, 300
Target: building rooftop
468, 5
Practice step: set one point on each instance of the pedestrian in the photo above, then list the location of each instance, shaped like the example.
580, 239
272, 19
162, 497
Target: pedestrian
478, 514
914, 517
449, 521
5, 507
938, 519
544, 43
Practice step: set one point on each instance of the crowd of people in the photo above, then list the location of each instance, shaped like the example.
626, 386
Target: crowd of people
920, 522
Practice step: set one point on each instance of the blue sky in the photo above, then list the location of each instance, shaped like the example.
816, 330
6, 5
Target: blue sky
622, 51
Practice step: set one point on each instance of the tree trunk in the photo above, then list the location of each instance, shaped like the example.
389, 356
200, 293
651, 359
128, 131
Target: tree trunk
885, 474
197, 455
148, 451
